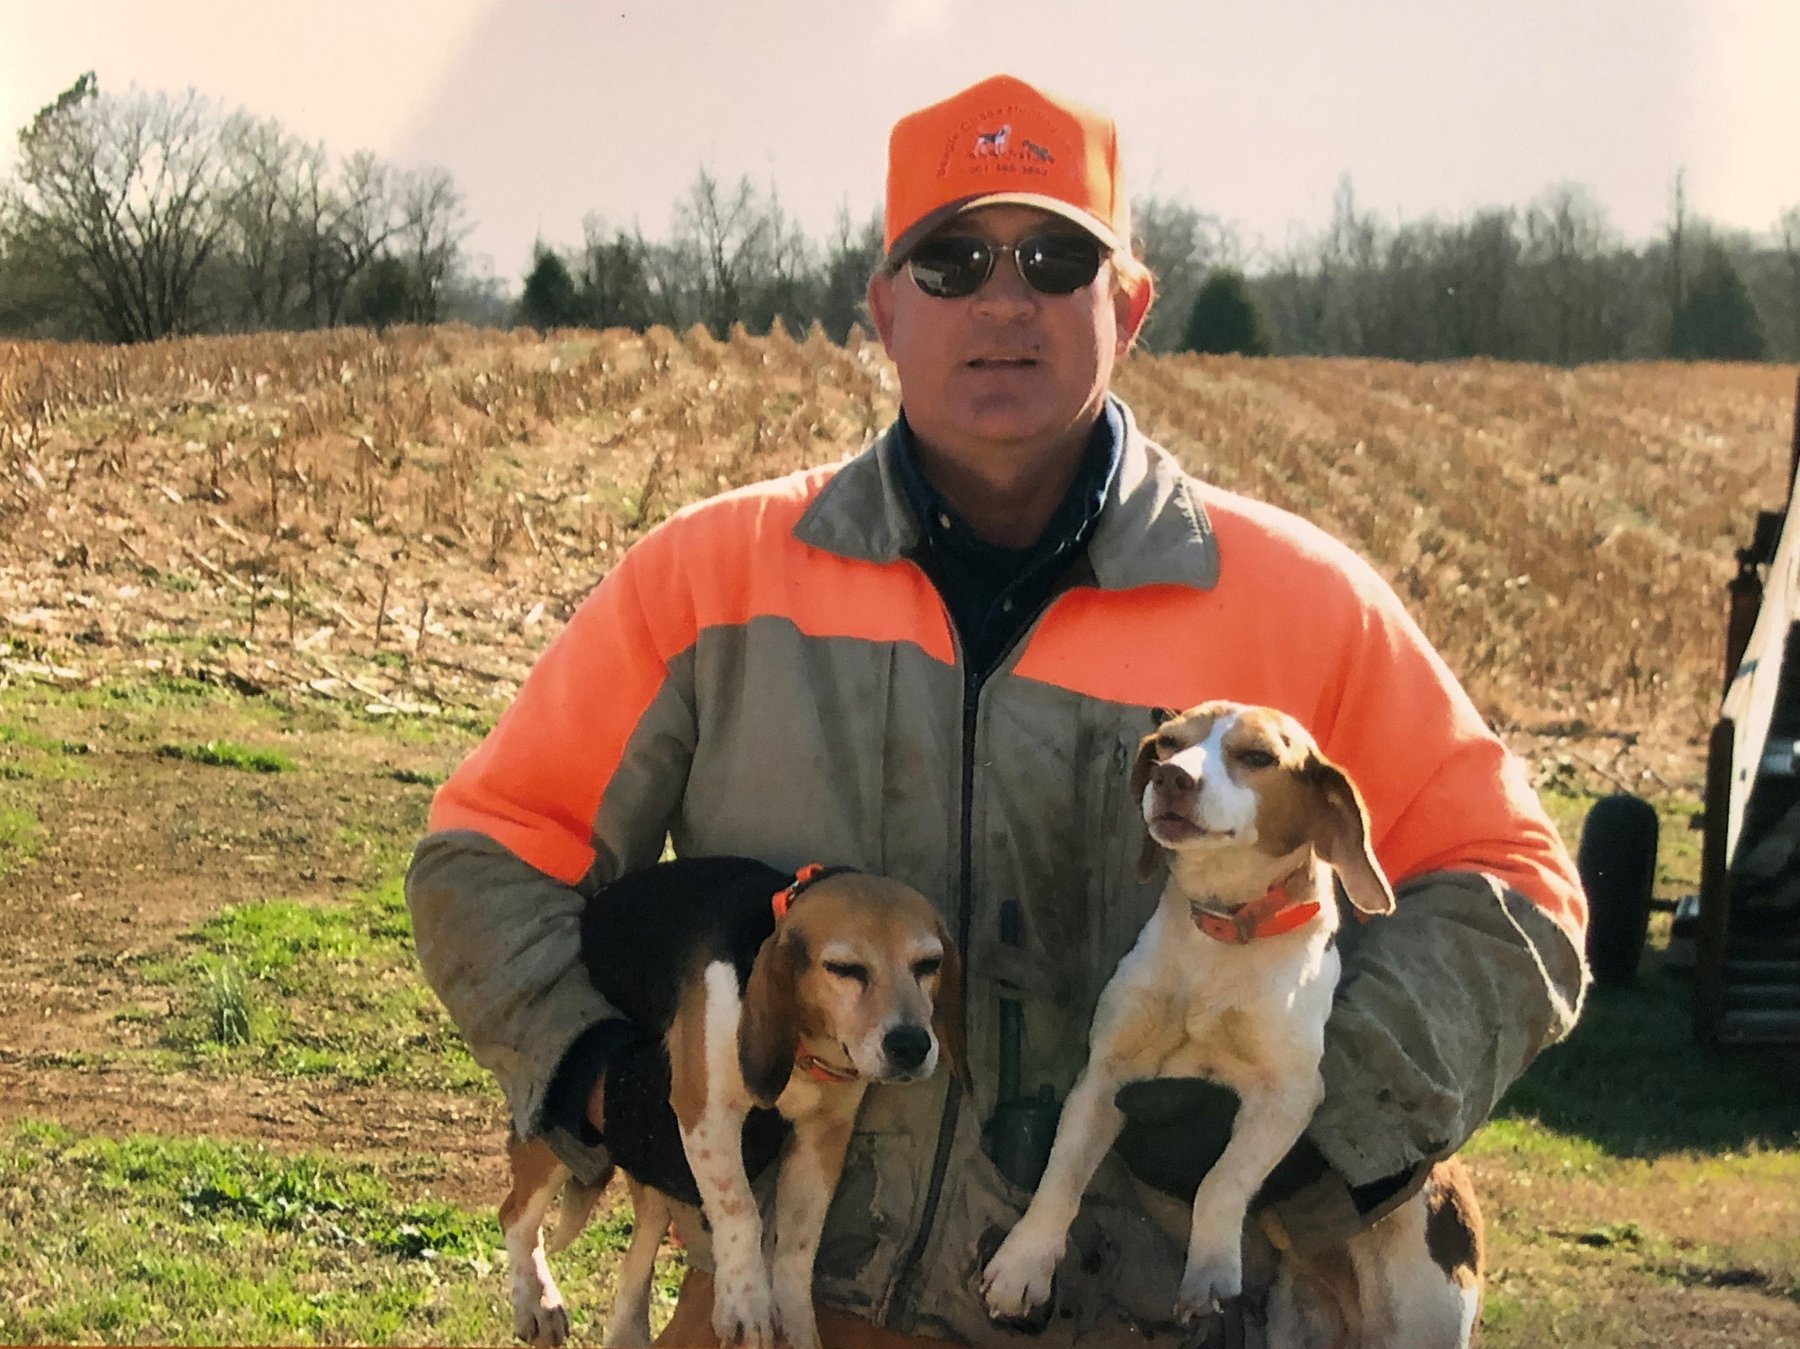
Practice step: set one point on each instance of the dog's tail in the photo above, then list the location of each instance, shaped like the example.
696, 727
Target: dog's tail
577, 1206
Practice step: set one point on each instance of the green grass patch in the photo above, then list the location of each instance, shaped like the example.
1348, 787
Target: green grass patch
28, 755
193, 1241
178, 710
196, 643
1632, 1082
26, 738
1677, 840
1631, 1160
226, 754
226, 1005
309, 990
20, 835
160, 691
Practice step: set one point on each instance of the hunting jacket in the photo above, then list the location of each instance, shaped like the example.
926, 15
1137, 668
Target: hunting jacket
770, 673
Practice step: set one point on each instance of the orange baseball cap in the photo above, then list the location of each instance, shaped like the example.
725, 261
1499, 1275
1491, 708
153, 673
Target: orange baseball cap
1004, 141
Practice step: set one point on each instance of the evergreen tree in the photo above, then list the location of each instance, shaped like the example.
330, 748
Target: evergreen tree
550, 299
384, 295
616, 289
1717, 321
1225, 318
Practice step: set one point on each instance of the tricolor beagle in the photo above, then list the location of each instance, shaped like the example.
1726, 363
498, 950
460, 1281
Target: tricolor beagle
1232, 979
771, 992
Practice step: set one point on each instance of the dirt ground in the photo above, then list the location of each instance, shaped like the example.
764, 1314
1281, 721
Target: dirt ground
131, 551
139, 848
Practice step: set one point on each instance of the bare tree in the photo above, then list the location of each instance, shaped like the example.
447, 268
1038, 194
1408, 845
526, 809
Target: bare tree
1790, 248
1348, 271
1567, 242
1180, 246
1678, 224
429, 235
1476, 283
613, 280
348, 221
747, 261
128, 198
851, 256
264, 243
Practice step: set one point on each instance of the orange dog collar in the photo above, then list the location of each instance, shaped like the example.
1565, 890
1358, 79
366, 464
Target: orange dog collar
782, 898
1270, 916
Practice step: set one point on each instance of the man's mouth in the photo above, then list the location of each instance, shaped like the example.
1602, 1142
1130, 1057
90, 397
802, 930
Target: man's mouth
1003, 363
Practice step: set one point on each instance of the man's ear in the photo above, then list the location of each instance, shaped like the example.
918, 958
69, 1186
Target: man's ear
881, 306
770, 1029
1132, 296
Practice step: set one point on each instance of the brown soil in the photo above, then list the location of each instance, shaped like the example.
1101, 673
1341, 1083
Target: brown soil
139, 848
403, 526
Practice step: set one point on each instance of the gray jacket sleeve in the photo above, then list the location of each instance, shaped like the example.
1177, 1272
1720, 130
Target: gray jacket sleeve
1441, 1006
500, 943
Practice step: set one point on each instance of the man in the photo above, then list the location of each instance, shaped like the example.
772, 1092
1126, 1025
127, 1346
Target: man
936, 661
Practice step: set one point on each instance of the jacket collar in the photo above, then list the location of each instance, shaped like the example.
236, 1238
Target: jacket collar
1152, 530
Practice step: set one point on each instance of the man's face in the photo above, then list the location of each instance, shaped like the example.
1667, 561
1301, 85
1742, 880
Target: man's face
1007, 369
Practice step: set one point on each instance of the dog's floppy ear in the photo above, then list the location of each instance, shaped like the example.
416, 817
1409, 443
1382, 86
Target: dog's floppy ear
947, 1010
1341, 836
770, 1030
1150, 853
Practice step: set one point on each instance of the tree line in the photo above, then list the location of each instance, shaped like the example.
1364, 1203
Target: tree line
145, 215
132, 217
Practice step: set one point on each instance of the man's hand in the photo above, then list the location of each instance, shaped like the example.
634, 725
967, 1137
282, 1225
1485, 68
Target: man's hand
1176, 1128
596, 1106
619, 1074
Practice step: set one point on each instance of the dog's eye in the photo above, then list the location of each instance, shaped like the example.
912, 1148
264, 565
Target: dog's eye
1168, 744
1256, 758
844, 969
924, 969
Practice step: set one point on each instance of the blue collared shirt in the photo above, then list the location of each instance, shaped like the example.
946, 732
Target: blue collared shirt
994, 592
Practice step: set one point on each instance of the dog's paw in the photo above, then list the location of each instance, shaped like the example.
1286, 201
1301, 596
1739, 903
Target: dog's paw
795, 1321
631, 1332
800, 1331
1207, 1284
744, 1312
1016, 1282
540, 1319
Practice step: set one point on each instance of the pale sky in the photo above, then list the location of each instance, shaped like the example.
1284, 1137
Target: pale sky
546, 111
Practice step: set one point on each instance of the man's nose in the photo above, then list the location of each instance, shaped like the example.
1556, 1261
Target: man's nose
1005, 289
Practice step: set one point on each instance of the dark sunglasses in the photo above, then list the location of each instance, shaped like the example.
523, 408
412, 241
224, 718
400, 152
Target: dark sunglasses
950, 266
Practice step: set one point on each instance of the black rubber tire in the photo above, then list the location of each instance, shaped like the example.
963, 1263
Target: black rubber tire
1617, 861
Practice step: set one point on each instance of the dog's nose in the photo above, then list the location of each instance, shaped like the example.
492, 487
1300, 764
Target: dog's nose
1171, 778
906, 1047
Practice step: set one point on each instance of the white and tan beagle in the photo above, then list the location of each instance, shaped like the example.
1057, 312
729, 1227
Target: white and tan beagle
1232, 979
771, 992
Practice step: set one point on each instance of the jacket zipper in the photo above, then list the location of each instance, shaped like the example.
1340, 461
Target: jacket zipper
905, 1288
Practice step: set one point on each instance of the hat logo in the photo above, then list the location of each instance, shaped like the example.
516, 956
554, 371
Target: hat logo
998, 145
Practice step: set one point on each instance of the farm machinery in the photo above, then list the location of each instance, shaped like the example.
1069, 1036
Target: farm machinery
1740, 935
